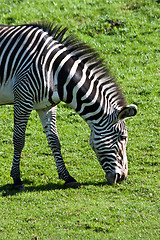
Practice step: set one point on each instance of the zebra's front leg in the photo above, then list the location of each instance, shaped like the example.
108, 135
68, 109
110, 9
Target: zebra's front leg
48, 119
21, 114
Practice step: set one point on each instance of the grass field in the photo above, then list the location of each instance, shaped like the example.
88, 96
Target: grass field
126, 34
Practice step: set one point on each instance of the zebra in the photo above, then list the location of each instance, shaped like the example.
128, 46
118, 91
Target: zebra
39, 68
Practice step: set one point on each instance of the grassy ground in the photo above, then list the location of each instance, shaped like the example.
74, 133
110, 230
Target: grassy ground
126, 34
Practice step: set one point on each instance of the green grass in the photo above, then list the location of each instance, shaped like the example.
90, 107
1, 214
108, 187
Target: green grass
130, 210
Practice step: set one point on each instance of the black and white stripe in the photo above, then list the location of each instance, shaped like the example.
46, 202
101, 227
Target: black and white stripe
38, 69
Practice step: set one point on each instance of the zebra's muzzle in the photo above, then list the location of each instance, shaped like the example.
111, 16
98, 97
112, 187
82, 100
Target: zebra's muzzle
113, 178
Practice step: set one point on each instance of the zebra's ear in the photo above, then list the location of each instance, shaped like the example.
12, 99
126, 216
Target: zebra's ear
128, 111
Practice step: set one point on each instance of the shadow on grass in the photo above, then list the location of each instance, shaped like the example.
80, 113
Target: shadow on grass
8, 190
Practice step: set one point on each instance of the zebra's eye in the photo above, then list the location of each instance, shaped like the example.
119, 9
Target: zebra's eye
123, 137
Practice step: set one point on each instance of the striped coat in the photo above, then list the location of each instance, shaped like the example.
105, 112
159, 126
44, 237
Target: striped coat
40, 68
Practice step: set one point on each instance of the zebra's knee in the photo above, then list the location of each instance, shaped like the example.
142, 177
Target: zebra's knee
18, 145
54, 142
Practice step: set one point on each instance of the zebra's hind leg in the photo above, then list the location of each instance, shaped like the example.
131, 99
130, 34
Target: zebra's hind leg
22, 110
48, 119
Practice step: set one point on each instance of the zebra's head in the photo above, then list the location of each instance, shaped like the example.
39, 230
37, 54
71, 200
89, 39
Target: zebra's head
108, 139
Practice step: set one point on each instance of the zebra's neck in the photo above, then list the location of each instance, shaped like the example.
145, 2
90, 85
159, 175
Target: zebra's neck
77, 77
83, 89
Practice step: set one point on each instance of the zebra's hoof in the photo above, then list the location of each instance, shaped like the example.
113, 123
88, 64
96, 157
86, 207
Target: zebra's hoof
20, 187
71, 183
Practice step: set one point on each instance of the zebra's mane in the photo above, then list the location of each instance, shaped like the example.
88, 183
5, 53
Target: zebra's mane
85, 52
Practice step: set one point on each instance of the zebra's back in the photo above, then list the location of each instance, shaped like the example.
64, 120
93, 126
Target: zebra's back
20, 60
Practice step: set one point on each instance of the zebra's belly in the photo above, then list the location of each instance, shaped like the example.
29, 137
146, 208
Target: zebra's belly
43, 104
6, 94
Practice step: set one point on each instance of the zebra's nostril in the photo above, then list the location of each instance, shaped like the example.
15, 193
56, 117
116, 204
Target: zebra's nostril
122, 178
